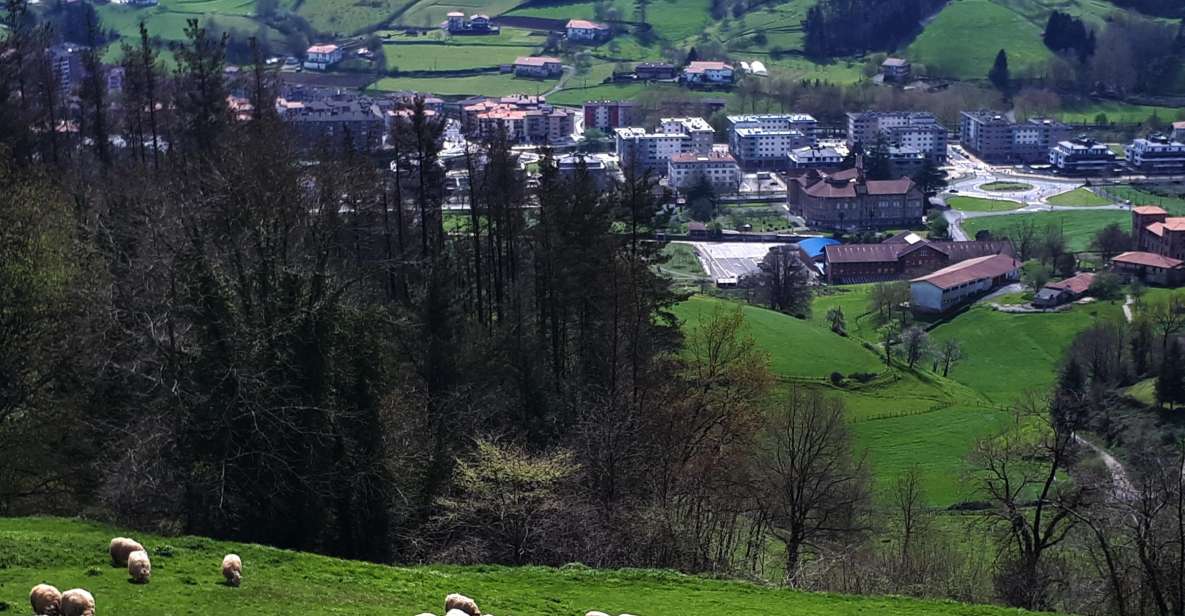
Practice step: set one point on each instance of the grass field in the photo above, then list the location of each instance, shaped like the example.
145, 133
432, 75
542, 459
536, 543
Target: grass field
796, 347
1006, 186
682, 264
962, 41
1078, 227
491, 85
1008, 354
1122, 113
70, 553
447, 57
980, 204
1173, 203
1079, 197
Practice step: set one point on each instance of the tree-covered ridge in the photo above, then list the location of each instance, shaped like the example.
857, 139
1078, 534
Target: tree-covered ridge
848, 27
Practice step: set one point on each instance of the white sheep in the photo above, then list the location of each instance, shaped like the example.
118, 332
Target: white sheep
78, 602
121, 547
45, 599
232, 569
139, 567
456, 612
461, 602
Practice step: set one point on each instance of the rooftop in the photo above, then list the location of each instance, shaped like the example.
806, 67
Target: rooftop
1149, 210
695, 157
895, 62
971, 270
707, 65
536, 60
586, 24
1074, 284
326, 48
1147, 259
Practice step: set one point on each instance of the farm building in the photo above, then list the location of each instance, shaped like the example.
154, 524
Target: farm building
701, 72
957, 284
1062, 291
896, 70
584, 31
321, 57
654, 71
538, 66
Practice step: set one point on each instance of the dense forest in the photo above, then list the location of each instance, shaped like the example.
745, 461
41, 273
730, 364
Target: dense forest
1163, 8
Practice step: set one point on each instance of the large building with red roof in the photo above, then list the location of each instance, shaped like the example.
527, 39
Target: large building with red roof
848, 201
962, 282
904, 255
1158, 242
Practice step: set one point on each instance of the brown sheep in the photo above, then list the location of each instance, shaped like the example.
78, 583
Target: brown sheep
121, 547
232, 569
78, 602
45, 599
139, 567
461, 602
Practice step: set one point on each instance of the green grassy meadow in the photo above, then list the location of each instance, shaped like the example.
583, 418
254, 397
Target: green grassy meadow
980, 204
449, 57
73, 553
1078, 227
1079, 197
490, 85
1173, 202
962, 41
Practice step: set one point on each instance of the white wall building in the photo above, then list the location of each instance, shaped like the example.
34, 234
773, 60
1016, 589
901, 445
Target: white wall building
954, 285
685, 169
1156, 154
321, 57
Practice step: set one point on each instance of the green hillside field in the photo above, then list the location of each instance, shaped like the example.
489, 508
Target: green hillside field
186, 580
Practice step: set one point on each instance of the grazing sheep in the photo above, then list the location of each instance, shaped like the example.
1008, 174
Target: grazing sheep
121, 547
77, 602
45, 599
456, 612
139, 567
232, 569
461, 602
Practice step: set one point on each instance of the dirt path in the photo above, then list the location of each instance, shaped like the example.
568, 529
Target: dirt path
1122, 488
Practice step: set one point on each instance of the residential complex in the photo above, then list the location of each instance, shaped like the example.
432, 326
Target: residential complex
608, 115
333, 121
1156, 154
525, 119
904, 255
655, 71
720, 169
995, 138
1081, 156
814, 157
1158, 242
765, 141
476, 24
848, 201
913, 130
640, 149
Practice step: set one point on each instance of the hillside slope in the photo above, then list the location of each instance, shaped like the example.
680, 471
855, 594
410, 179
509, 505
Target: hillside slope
70, 553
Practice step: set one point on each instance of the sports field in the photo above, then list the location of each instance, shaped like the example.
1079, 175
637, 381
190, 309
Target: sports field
1078, 227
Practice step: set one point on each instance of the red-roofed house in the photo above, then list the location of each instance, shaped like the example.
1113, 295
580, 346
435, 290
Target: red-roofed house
957, 284
1062, 291
709, 72
847, 201
321, 57
1149, 267
584, 31
538, 66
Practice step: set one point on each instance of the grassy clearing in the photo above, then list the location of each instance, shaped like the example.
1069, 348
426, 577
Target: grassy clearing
1078, 227
1008, 354
72, 553
1115, 112
1166, 197
962, 41
796, 347
1144, 391
853, 301
981, 204
682, 263
447, 57
1079, 197
490, 85
349, 16
1006, 186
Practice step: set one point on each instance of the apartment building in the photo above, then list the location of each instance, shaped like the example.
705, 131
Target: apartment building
608, 115
916, 130
1081, 156
995, 138
766, 141
685, 169
1156, 154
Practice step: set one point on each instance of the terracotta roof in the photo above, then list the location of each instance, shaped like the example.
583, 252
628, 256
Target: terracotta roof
1074, 284
536, 60
586, 24
1148, 210
971, 270
1180, 125
900, 186
328, 48
1148, 259
1156, 228
1176, 223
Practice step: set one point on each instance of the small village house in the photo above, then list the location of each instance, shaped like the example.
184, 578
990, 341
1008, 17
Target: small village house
322, 57
709, 73
584, 31
1063, 291
538, 66
896, 70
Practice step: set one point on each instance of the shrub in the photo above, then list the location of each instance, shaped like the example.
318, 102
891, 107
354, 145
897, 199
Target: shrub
837, 379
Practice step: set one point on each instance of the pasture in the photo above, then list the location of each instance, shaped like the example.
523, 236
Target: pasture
962, 40
1079, 197
448, 57
1077, 227
981, 204
493, 84
73, 553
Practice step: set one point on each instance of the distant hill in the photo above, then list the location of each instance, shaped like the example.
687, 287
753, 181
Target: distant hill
186, 580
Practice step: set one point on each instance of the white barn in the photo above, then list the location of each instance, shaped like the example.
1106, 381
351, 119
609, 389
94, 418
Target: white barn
953, 285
